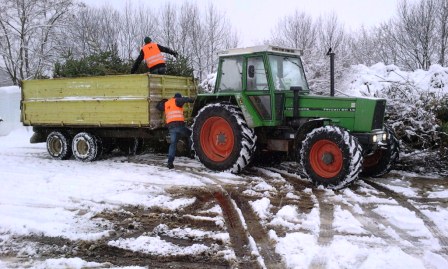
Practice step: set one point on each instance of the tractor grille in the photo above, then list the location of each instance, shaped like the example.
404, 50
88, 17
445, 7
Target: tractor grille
378, 115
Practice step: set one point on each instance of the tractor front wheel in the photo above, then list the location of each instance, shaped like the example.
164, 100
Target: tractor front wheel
331, 157
221, 138
382, 160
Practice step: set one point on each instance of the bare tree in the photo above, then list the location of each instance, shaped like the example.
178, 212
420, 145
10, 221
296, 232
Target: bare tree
331, 32
413, 33
217, 30
168, 25
135, 24
28, 38
91, 30
297, 31
442, 29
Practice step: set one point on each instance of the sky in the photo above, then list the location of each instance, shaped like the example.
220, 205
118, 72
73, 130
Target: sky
255, 20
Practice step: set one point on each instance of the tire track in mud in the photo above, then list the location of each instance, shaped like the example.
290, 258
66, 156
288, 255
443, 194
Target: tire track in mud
402, 201
238, 234
374, 228
326, 210
326, 231
256, 230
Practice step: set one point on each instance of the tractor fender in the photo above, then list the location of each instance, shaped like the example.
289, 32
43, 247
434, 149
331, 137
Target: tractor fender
303, 130
310, 125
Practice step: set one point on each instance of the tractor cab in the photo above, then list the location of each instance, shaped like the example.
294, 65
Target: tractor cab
260, 77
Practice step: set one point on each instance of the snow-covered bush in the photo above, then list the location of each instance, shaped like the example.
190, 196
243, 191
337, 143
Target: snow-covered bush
414, 99
208, 84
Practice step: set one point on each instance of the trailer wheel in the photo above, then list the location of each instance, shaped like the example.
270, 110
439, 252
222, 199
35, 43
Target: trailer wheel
221, 138
382, 160
59, 145
86, 147
331, 157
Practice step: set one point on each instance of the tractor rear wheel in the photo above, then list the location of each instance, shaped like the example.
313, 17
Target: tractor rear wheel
87, 147
221, 138
59, 145
383, 159
331, 157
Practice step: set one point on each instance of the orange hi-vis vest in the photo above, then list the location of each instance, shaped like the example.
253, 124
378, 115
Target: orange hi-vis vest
152, 55
173, 112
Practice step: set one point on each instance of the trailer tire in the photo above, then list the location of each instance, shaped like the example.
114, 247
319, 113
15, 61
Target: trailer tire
331, 157
383, 159
87, 147
221, 138
59, 145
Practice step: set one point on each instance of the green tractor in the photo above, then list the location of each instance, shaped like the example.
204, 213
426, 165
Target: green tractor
261, 109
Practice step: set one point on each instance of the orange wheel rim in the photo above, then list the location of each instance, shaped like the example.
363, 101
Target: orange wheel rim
326, 158
217, 139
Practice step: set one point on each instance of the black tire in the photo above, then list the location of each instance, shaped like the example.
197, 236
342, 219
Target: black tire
86, 147
383, 159
130, 146
221, 138
59, 145
331, 157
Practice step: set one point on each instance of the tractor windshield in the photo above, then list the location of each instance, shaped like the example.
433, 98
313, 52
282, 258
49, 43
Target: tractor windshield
287, 72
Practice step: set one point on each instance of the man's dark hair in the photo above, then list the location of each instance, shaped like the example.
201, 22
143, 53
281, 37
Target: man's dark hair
147, 40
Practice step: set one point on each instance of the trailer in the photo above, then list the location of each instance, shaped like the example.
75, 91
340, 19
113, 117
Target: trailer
88, 116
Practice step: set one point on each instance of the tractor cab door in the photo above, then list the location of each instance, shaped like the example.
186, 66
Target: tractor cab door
257, 88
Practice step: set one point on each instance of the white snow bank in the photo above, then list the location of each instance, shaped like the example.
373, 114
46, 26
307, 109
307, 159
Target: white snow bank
362, 80
9, 109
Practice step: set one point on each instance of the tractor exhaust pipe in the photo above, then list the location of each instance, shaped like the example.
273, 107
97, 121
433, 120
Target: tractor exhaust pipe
331, 54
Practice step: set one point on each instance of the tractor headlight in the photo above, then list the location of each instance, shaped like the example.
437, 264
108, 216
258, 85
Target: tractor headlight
374, 138
384, 136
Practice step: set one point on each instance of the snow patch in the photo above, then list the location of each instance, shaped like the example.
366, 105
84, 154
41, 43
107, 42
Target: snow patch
157, 246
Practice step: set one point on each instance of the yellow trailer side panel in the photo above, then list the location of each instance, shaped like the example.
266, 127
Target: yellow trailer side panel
108, 101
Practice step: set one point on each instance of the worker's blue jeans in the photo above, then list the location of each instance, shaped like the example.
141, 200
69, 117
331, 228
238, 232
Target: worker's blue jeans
175, 134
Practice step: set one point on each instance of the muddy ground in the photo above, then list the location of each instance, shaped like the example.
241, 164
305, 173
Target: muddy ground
239, 223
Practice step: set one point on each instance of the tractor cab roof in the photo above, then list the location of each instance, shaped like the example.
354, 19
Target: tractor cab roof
264, 48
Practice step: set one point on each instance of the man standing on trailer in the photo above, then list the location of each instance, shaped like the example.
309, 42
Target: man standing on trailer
151, 52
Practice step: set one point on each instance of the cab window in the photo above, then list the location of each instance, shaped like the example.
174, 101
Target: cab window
287, 72
256, 75
231, 74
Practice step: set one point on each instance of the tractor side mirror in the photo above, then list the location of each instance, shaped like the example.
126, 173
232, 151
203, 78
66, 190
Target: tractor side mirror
251, 71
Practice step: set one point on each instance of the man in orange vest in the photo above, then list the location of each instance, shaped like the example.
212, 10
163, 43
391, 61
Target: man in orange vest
175, 121
151, 52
